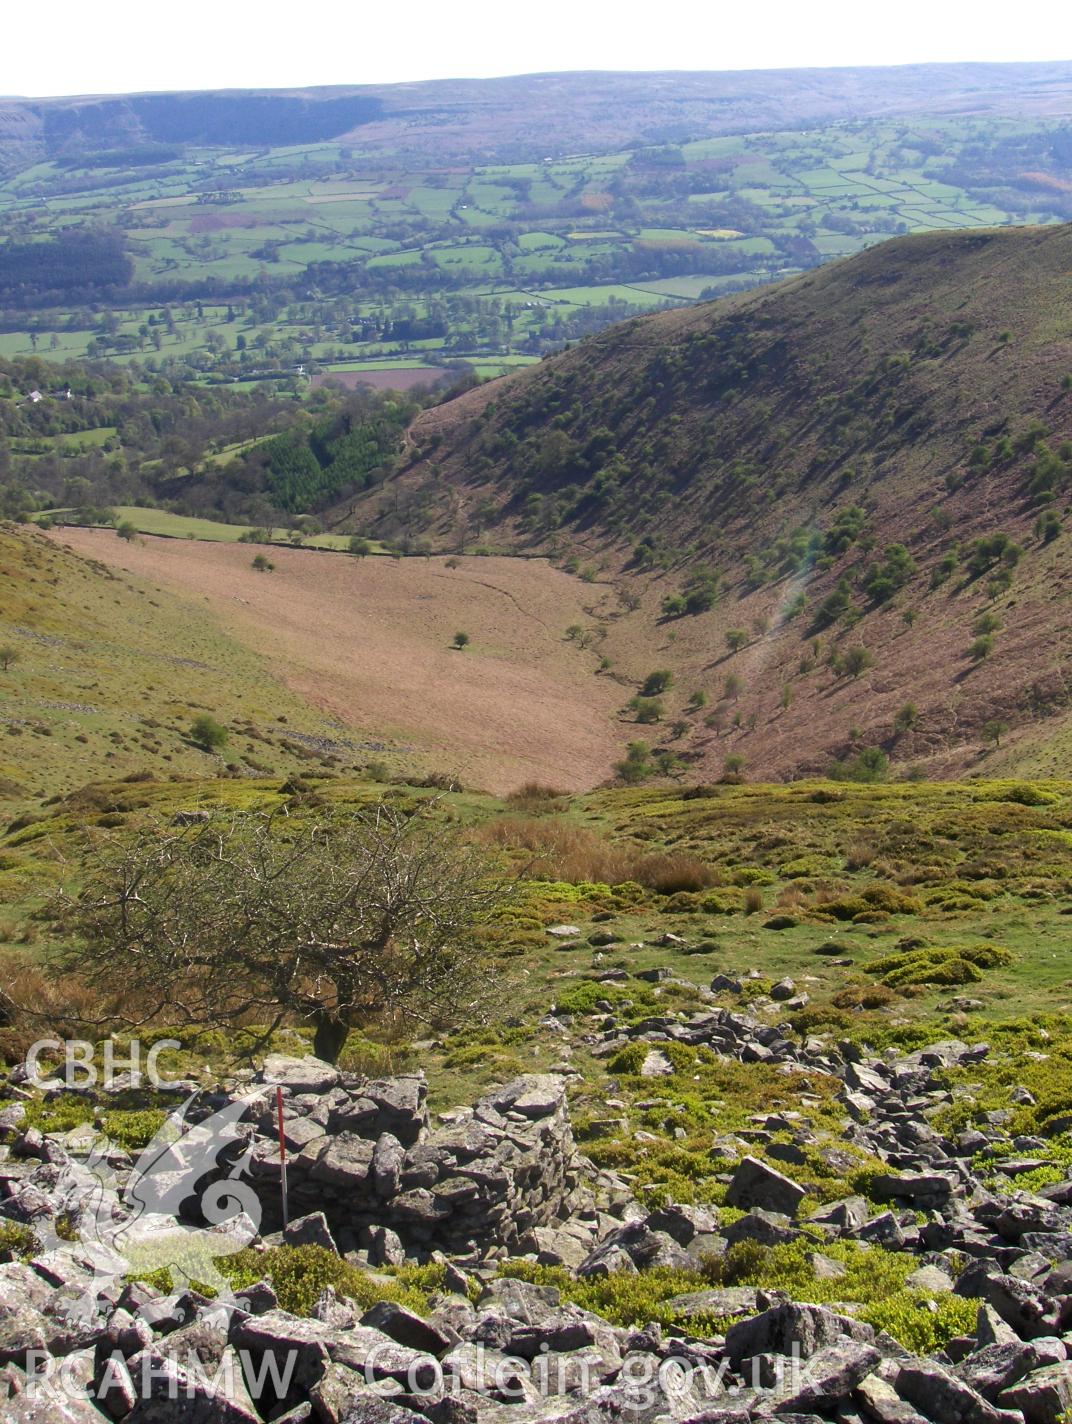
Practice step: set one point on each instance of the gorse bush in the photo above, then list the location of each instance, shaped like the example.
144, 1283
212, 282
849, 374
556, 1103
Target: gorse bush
991, 549
845, 530
944, 568
857, 660
834, 606
905, 717
646, 710
869, 765
882, 580
994, 730
699, 595
636, 765
661, 680
207, 733
1047, 526
986, 622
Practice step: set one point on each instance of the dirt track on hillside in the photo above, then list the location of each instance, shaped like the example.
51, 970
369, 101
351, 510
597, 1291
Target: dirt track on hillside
369, 641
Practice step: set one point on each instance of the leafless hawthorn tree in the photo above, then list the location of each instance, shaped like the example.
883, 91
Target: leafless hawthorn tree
272, 919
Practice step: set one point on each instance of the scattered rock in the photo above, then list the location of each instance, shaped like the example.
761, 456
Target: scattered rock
792, 1329
310, 1230
756, 1184
1043, 1396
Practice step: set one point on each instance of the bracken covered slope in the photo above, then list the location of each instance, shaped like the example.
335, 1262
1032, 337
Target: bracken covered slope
870, 380
917, 396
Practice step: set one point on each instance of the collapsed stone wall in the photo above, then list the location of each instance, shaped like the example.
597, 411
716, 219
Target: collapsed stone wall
365, 1154
491, 1174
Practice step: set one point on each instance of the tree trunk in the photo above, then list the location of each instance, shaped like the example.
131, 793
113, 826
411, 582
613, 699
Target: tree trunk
330, 1037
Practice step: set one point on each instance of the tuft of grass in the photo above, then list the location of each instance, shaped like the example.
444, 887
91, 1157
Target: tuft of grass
17, 1241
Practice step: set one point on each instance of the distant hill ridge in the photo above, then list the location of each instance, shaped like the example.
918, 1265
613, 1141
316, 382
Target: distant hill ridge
607, 108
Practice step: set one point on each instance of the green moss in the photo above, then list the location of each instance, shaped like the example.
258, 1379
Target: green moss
753, 875
1021, 793
17, 1241
133, 1130
59, 1114
723, 903
807, 867
929, 968
580, 998
629, 1058
920, 1325
946, 965
874, 1280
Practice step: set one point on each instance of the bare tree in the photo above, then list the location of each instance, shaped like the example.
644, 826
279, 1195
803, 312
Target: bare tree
269, 919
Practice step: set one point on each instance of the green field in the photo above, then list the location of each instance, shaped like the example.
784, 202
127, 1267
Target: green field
180, 526
69, 443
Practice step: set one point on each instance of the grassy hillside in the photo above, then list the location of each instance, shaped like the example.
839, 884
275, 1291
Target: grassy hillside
871, 381
903, 914
783, 477
102, 675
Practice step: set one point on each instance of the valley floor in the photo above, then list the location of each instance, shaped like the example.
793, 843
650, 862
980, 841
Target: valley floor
370, 642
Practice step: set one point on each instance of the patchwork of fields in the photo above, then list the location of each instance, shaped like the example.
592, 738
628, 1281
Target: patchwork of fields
252, 263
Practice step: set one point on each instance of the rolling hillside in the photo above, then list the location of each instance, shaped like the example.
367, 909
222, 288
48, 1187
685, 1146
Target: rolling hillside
872, 380
817, 462
395, 234
102, 676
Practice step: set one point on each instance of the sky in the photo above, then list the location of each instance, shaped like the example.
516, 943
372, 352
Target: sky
122, 46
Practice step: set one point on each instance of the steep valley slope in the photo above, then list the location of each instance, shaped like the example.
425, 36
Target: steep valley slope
824, 457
